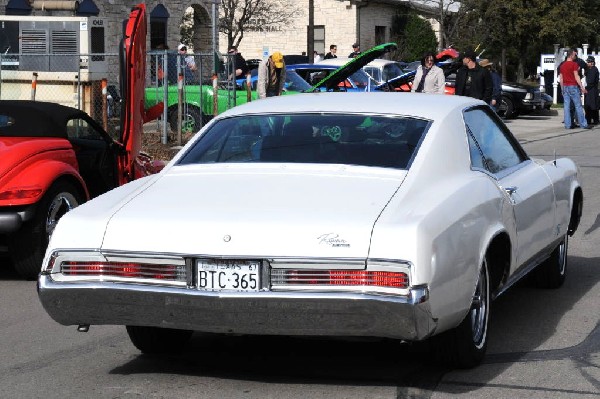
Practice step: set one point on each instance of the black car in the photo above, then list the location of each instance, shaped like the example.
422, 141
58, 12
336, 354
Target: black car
520, 99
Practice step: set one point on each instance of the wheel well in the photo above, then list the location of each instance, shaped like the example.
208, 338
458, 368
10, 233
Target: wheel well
498, 258
75, 183
576, 210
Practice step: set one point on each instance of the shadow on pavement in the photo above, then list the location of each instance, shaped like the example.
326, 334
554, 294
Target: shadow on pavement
522, 320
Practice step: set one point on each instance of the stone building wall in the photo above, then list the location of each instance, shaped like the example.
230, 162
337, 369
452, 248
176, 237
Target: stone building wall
345, 23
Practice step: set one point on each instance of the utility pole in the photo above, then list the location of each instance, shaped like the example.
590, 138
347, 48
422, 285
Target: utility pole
310, 48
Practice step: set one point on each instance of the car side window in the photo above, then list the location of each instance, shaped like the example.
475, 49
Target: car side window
491, 146
81, 129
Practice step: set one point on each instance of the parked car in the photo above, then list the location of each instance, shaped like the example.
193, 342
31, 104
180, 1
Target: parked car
198, 106
359, 80
309, 216
516, 98
380, 69
56, 157
520, 99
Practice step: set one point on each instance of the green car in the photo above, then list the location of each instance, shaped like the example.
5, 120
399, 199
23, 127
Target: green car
197, 100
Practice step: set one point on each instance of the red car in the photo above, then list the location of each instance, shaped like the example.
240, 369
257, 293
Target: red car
53, 158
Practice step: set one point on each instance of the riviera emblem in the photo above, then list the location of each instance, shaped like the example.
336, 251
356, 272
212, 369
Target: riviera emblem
333, 240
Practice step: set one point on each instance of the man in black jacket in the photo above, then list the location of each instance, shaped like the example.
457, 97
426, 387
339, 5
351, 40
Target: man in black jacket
472, 80
238, 62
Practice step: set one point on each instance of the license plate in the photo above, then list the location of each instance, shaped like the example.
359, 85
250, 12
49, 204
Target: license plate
224, 275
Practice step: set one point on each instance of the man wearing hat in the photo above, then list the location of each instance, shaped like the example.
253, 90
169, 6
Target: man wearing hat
591, 102
496, 83
271, 76
472, 80
355, 50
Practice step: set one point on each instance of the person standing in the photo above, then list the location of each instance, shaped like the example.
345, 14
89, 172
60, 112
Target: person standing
239, 63
189, 64
271, 76
472, 80
571, 84
496, 83
332, 52
429, 78
355, 50
591, 102
317, 56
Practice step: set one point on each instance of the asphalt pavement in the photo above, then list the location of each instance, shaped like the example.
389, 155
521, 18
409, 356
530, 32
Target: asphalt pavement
541, 125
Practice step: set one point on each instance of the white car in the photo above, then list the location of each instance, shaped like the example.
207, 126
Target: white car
306, 215
383, 70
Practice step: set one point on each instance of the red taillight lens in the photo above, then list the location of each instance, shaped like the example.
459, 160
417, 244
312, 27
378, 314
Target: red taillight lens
340, 278
124, 269
21, 193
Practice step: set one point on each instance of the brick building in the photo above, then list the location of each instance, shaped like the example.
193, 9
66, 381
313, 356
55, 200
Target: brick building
340, 22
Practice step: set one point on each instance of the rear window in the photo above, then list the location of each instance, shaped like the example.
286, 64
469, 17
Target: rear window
366, 140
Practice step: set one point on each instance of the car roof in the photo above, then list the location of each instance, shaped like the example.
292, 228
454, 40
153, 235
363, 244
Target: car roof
36, 118
427, 106
379, 62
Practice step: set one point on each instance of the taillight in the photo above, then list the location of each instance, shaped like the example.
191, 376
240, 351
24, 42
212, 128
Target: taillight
21, 193
364, 278
125, 270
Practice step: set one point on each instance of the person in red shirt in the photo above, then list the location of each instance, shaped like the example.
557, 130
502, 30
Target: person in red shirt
571, 83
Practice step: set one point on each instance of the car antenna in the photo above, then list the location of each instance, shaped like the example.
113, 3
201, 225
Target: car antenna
555, 157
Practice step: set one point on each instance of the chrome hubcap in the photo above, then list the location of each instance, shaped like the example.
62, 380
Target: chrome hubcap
562, 256
60, 205
479, 308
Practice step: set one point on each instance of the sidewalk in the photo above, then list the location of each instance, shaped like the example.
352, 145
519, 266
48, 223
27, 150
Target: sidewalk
541, 125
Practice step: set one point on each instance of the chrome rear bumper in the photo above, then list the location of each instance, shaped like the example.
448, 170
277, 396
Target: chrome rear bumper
263, 313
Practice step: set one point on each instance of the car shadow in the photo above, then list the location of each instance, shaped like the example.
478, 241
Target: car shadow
534, 117
7, 271
523, 319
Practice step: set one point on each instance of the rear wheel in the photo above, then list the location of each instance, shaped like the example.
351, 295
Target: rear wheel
154, 340
465, 345
28, 246
552, 272
191, 119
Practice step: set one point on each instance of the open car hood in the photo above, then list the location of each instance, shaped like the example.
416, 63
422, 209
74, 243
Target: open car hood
132, 60
356, 63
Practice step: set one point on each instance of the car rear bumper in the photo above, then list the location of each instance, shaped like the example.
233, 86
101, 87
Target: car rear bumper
11, 221
263, 313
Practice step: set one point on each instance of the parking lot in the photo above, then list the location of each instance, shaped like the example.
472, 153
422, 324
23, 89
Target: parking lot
543, 343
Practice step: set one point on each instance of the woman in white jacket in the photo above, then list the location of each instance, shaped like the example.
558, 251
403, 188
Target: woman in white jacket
429, 78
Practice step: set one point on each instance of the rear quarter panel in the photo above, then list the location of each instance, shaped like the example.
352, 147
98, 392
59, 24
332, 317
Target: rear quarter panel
442, 220
564, 177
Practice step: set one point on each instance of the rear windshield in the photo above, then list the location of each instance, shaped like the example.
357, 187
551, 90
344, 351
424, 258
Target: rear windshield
366, 140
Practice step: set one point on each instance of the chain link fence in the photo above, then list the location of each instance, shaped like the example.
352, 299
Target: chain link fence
186, 84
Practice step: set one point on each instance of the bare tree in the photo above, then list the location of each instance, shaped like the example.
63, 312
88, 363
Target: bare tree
240, 16
447, 13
